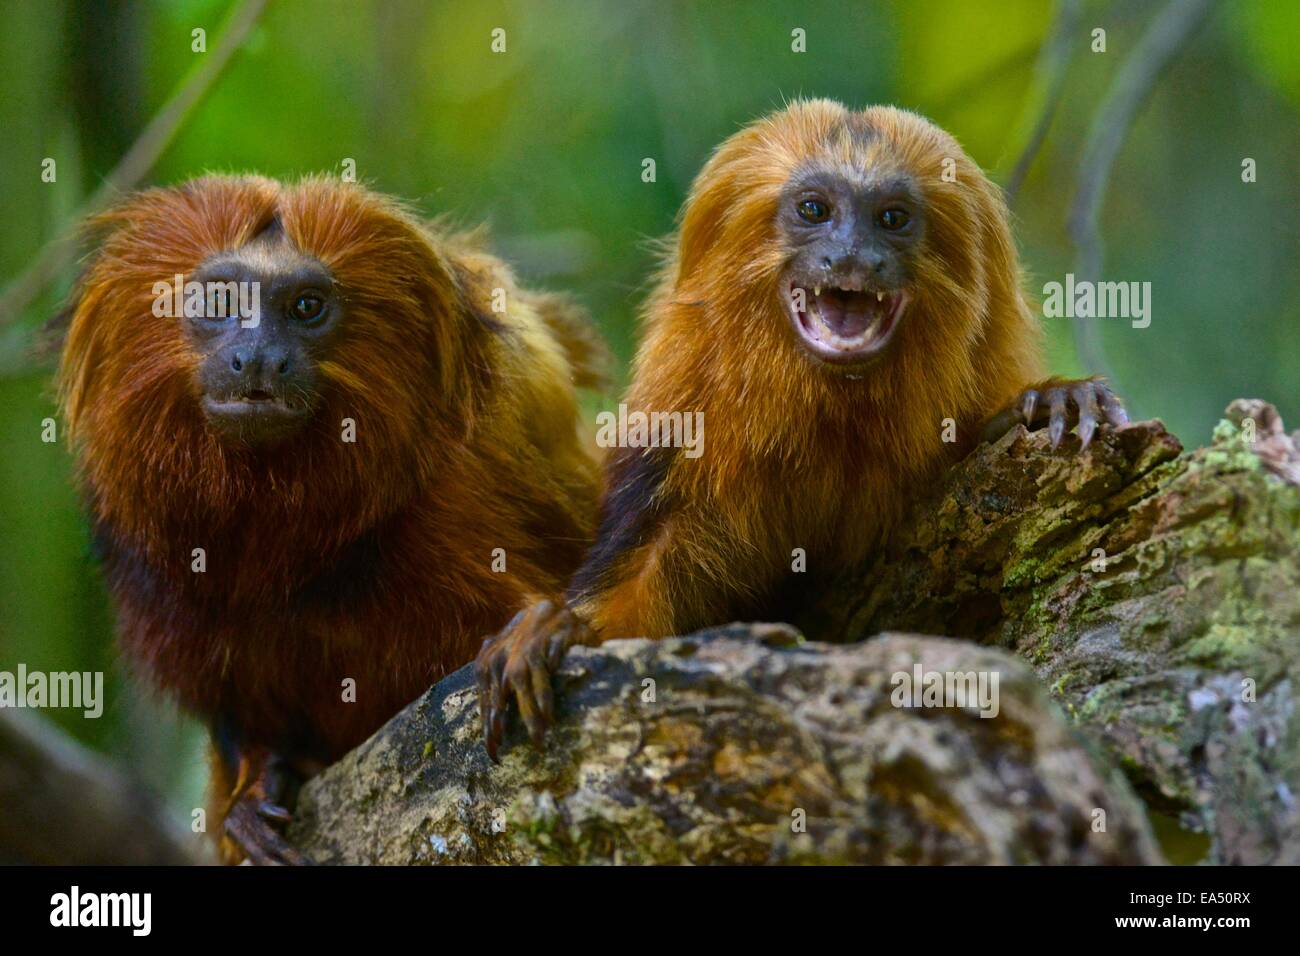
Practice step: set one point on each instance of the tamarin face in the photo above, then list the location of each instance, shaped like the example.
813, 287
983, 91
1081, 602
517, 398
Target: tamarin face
853, 233
238, 335
844, 307
318, 303
850, 233
258, 377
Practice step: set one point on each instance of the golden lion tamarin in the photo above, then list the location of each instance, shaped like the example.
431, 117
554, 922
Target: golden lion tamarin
318, 462
833, 300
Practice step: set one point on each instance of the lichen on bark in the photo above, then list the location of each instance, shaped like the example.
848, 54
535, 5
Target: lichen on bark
756, 748
1140, 604
1157, 595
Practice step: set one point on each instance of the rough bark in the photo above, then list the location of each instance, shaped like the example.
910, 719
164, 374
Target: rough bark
1154, 594
745, 740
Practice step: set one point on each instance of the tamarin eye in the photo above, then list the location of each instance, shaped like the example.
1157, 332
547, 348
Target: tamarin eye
814, 211
308, 306
893, 219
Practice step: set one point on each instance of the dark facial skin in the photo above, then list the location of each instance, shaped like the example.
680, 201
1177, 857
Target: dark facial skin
260, 383
853, 239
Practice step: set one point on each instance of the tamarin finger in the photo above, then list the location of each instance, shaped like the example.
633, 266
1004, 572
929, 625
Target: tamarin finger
1029, 405
521, 683
541, 678
273, 813
261, 843
1085, 401
496, 730
556, 647
1057, 402
1112, 409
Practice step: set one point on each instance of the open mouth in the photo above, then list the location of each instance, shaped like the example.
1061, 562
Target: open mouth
842, 325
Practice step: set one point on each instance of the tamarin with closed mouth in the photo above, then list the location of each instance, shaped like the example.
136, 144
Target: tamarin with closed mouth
310, 511
843, 283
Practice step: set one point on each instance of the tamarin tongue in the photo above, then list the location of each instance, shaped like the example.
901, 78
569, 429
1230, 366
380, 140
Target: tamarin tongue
849, 314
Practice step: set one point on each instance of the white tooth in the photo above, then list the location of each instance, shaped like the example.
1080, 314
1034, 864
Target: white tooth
817, 290
879, 296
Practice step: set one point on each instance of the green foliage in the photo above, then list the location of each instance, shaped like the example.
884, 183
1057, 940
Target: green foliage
546, 140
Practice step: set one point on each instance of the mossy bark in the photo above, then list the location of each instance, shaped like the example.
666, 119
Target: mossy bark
1156, 594
1140, 606
756, 748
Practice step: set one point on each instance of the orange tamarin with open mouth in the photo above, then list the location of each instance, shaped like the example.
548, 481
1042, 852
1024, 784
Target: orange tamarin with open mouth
318, 479
845, 284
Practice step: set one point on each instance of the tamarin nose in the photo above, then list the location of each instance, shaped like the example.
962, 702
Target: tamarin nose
855, 263
249, 362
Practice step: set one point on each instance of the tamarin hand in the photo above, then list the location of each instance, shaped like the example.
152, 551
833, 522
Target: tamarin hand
257, 813
842, 282
1061, 404
520, 661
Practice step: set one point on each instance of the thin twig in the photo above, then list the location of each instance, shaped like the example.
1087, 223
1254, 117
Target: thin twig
1153, 52
1051, 74
59, 252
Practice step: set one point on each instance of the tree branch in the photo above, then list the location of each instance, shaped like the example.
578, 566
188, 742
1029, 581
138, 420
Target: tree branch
754, 749
1157, 594
1050, 84
1176, 22
59, 252
65, 805
1137, 587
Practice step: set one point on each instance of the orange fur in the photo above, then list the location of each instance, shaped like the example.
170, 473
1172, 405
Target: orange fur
326, 560
796, 455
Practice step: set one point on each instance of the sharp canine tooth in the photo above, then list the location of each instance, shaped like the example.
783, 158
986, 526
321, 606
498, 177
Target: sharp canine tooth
879, 296
817, 290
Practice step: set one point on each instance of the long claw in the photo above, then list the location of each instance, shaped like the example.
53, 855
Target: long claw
536, 730
523, 687
273, 813
1058, 422
497, 732
485, 678
1111, 408
1029, 406
1085, 400
259, 841
490, 741
542, 694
